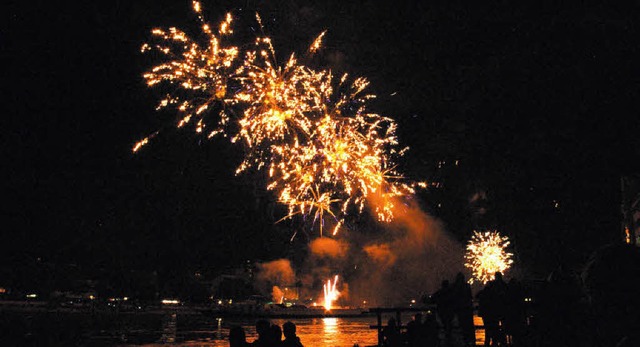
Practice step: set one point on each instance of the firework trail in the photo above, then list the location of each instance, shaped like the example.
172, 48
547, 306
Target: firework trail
330, 293
326, 155
486, 254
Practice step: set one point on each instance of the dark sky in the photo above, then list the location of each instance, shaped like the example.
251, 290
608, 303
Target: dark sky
538, 102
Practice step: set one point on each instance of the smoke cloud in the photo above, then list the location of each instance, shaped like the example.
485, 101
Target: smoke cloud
385, 265
409, 259
277, 294
328, 248
273, 275
381, 255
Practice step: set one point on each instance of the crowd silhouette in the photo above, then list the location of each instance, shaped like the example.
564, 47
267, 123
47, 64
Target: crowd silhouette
501, 306
506, 318
419, 332
596, 307
269, 335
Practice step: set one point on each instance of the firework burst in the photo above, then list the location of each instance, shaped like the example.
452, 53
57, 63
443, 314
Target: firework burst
196, 74
326, 155
486, 254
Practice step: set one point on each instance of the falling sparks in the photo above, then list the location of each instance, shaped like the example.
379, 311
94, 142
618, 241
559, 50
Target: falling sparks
317, 43
330, 293
326, 155
139, 144
486, 254
143, 142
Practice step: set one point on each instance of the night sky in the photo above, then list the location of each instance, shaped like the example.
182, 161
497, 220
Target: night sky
538, 103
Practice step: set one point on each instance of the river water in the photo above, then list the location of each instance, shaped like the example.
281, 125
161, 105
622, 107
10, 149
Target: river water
214, 332
328, 332
175, 329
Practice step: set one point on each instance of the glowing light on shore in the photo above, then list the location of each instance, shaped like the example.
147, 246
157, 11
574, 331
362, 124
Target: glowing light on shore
326, 155
330, 293
486, 254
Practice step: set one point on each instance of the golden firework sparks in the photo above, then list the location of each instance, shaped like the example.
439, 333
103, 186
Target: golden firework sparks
325, 153
330, 293
486, 254
139, 144
196, 74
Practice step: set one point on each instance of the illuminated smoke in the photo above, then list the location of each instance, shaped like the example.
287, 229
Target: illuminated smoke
409, 259
381, 255
277, 295
328, 248
274, 275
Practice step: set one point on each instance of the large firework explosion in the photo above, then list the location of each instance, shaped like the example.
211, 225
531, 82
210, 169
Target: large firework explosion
325, 153
486, 254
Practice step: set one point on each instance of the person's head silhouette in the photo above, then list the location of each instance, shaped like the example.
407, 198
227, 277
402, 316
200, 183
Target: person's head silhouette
237, 337
262, 328
289, 330
276, 333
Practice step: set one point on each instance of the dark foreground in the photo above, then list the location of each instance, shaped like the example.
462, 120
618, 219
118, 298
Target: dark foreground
166, 327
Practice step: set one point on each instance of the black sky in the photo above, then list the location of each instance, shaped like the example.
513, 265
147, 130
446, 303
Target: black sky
539, 103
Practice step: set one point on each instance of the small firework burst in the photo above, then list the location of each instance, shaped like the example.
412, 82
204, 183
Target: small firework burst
196, 73
486, 254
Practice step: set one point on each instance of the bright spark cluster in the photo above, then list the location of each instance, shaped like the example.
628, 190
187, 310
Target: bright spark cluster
330, 293
486, 254
325, 153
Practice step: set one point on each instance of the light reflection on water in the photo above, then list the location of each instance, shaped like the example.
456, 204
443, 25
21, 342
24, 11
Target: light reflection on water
219, 330
214, 332
180, 330
169, 328
330, 327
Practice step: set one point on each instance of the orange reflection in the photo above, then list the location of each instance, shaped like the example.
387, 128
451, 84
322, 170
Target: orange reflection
330, 325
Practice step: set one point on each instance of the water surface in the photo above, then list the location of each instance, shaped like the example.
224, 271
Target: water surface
214, 331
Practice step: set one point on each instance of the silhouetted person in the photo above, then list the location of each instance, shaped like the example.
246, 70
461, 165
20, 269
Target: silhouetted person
414, 329
444, 305
515, 315
275, 336
612, 283
237, 337
290, 337
559, 319
263, 329
463, 307
391, 334
429, 336
486, 313
491, 300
